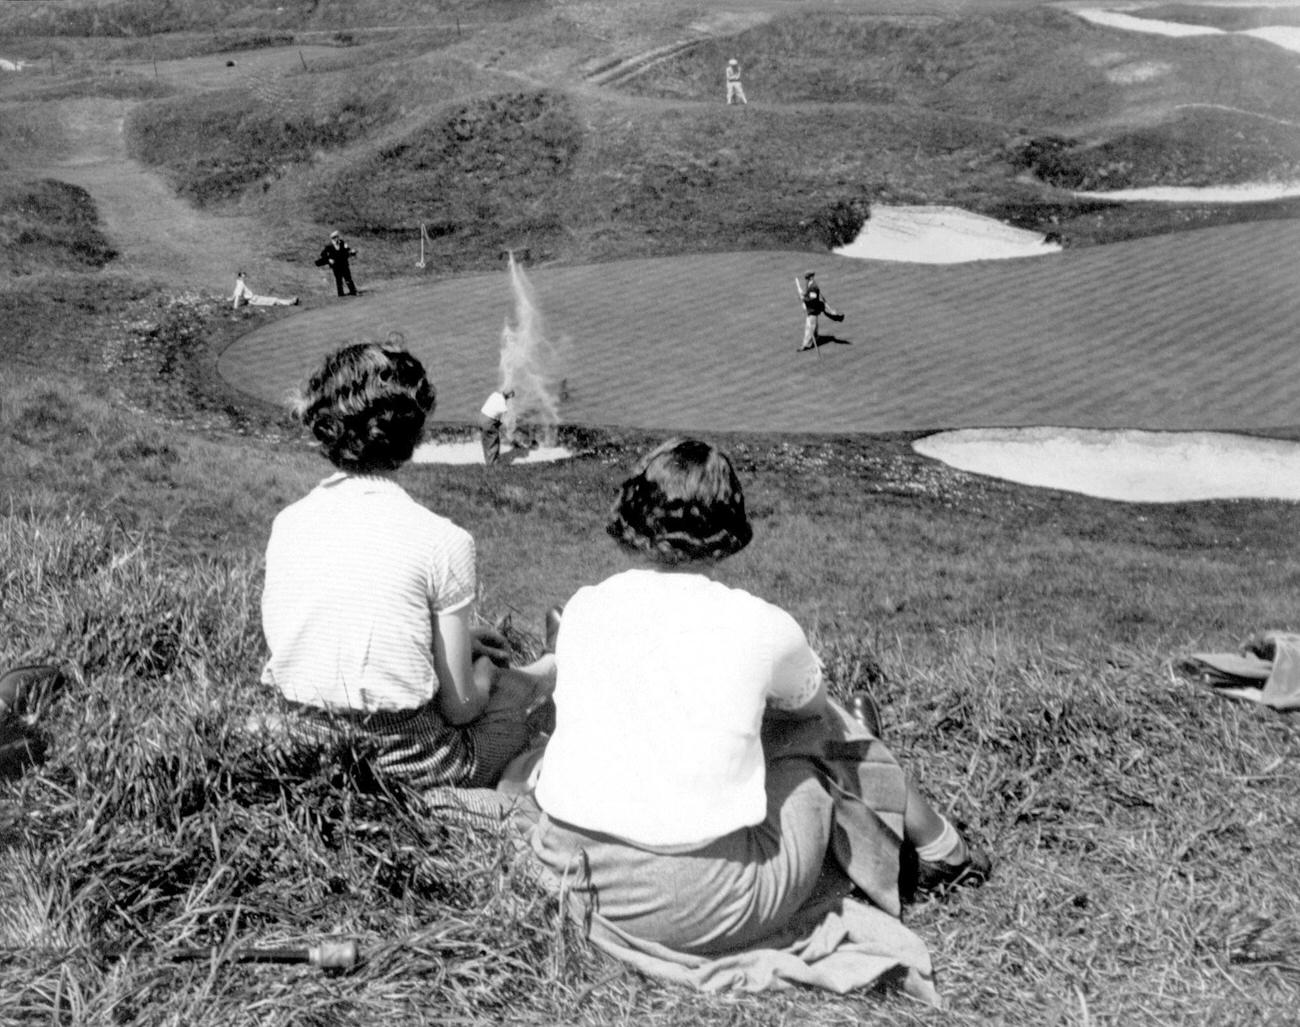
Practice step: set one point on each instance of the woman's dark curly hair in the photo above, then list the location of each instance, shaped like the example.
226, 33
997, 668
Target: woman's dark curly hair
683, 502
367, 405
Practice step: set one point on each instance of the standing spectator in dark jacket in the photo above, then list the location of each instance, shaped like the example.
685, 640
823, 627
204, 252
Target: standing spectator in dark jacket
335, 256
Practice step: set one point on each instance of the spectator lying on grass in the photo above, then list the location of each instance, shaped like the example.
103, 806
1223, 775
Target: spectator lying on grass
244, 296
665, 779
368, 596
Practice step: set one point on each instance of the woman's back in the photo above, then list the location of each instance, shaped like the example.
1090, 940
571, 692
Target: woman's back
663, 680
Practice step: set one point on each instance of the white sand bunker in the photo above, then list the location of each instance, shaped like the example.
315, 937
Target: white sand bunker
1259, 192
941, 235
471, 452
1129, 465
1285, 36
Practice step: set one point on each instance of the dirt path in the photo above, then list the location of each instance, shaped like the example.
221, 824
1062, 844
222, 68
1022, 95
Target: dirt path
157, 234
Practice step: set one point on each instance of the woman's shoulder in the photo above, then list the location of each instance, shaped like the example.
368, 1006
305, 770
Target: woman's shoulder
743, 599
438, 526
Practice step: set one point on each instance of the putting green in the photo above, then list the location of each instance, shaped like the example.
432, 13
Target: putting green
1192, 330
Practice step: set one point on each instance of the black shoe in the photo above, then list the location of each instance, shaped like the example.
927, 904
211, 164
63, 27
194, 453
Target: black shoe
864, 710
970, 870
552, 627
28, 690
20, 747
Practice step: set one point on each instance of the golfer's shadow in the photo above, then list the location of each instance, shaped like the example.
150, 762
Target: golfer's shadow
517, 450
820, 340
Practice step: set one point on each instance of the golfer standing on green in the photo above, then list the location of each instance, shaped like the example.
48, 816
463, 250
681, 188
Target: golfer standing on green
814, 305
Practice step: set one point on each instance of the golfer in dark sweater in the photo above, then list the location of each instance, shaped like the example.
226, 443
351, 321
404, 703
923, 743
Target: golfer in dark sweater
335, 256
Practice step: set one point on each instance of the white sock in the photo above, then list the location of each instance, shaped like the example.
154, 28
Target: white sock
943, 846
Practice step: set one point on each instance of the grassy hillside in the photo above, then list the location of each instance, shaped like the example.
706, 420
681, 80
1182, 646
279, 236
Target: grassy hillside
997, 113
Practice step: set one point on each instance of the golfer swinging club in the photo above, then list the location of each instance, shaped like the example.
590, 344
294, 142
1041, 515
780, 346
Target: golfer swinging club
814, 305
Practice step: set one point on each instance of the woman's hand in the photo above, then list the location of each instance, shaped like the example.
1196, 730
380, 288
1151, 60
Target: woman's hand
489, 642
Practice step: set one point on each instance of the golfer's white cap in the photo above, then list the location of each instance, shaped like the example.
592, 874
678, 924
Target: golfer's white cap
733, 61
334, 234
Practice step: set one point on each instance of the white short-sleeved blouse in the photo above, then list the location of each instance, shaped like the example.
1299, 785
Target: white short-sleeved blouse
663, 678
356, 572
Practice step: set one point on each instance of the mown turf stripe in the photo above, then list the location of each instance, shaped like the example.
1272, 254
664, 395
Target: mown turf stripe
1191, 330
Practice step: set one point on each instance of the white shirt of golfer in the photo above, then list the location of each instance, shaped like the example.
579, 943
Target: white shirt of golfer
496, 406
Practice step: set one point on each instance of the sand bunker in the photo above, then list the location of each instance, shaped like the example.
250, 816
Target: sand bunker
1131, 466
941, 235
471, 452
1285, 36
1259, 192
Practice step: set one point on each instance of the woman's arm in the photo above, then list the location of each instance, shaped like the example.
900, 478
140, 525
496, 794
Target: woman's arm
463, 684
813, 706
798, 689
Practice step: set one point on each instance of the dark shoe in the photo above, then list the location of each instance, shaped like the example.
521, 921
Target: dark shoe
864, 710
552, 627
20, 747
27, 691
969, 870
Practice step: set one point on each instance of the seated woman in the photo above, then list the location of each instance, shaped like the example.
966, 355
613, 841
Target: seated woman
368, 595
655, 781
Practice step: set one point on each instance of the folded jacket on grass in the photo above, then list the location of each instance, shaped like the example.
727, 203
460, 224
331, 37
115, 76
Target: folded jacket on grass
1271, 682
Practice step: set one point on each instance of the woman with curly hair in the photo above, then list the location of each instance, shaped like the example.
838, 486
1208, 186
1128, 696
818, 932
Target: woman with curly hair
661, 781
368, 595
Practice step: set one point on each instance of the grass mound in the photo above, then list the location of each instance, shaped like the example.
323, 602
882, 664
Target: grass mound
492, 163
49, 225
1186, 150
217, 144
140, 18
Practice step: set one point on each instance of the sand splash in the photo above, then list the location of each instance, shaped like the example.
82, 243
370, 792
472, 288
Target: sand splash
530, 364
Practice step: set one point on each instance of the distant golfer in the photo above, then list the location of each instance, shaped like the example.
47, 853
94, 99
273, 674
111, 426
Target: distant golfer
735, 91
244, 296
489, 420
814, 305
335, 256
